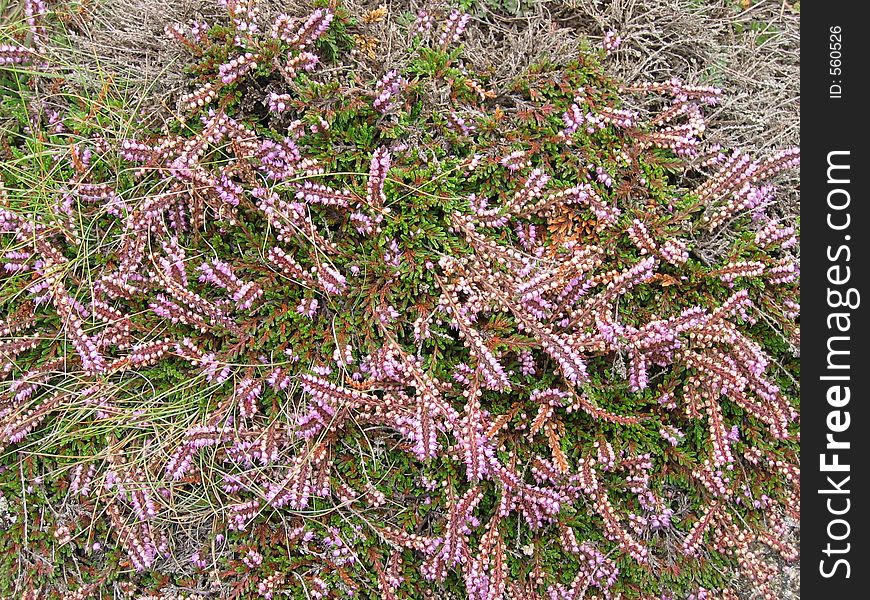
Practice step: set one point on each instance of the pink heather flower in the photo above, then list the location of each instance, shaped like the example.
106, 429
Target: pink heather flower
527, 363
674, 251
312, 30
35, 11
387, 87
530, 191
243, 13
198, 561
322, 370
363, 223
459, 124
247, 393
220, 274
319, 588
213, 370
308, 307
304, 61
14, 55
238, 66
266, 588
573, 119
393, 254
336, 547
199, 31
421, 328
462, 373
618, 117
252, 559
792, 309
611, 41
489, 216
278, 103
279, 160
474, 162
527, 236
602, 177
380, 165
424, 22
386, 313
515, 161
331, 281
321, 125
733, 434
774, 233
455, 26
343, 356
671, 434
278, 379
606, 455
16, 262
740, 268
246, 295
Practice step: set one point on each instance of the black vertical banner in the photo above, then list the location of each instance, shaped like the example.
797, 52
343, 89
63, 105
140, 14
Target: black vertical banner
835, 299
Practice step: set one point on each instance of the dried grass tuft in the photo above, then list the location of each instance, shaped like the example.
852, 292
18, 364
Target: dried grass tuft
752, 53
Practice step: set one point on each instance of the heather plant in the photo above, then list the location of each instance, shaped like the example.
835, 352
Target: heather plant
324, 335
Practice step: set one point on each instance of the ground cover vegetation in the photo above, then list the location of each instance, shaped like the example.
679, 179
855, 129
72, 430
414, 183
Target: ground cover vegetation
325, 335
